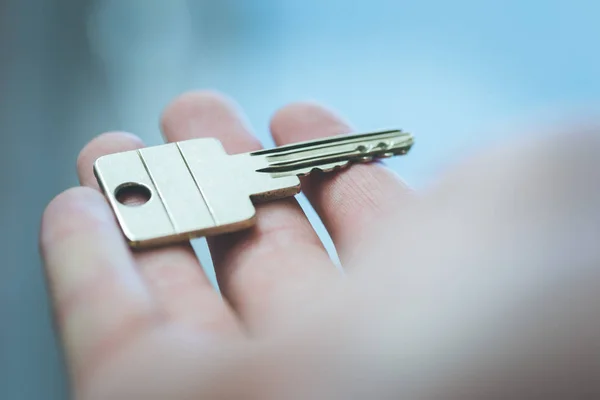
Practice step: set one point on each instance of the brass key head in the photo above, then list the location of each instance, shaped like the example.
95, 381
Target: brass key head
191, 189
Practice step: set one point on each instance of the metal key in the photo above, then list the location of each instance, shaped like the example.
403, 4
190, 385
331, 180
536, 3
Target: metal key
193, 188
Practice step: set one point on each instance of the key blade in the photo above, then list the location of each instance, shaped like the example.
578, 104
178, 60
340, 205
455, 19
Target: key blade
338, 150
334, 141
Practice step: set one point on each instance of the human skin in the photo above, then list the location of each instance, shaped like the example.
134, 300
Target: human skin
484, 285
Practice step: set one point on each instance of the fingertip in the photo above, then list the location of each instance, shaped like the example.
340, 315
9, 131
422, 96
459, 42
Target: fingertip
73, 208
198, 98
208, 113
71, 197
103, 144
306, 120
192, 106
295, 111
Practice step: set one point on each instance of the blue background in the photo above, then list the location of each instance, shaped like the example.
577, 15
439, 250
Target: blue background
458, 74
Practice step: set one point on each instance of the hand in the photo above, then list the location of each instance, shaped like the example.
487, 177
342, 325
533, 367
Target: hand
483, 286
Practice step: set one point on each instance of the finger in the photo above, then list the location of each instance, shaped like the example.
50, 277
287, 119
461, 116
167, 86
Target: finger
349, 201
101, 304
278, 263
174, 275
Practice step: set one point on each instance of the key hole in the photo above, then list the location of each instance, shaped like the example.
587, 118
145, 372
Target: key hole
133, 194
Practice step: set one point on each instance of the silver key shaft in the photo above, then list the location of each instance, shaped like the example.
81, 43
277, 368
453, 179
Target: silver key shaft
326, 154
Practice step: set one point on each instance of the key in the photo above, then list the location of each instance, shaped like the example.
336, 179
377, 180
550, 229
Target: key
193, 188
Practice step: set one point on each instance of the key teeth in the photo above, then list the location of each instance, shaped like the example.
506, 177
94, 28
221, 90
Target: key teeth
307, 172
336, 167
386, 155
325, 169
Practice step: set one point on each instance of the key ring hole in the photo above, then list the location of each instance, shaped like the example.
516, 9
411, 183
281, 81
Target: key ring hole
133, 194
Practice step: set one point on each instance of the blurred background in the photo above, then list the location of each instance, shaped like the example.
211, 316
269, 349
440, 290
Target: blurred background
458, 74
